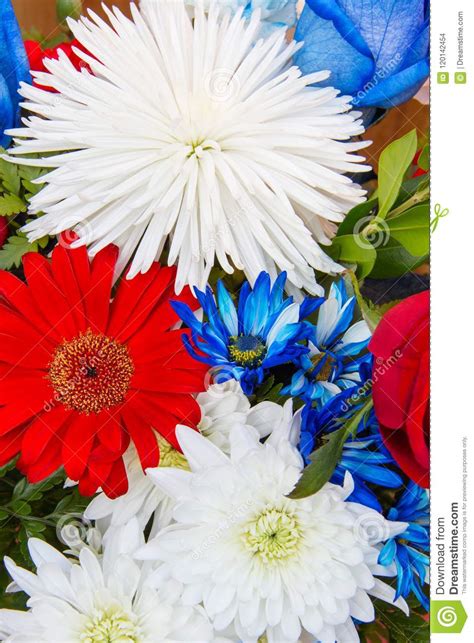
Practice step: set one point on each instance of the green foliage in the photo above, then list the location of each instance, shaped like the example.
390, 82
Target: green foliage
371, 313
16, 189
31, 511
325, 459
15, 247
393, 163
393, 626
388, 235
68, 9
269, 391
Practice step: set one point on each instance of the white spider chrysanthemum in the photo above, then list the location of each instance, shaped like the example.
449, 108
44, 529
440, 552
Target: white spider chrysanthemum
191, 131
223, 407
259, 561
99, 598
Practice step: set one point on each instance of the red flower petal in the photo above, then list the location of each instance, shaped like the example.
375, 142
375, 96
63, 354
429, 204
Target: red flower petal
12, 415
40, 431
48, 296
401, 384
19, 298
78, 443
136, 299
111, 433
116, 483
98, 298
10, 445
143, 438
45, 466
56, 324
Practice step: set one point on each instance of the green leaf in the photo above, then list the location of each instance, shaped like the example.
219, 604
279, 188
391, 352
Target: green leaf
394, 162
424, 159
419, 185
353, 249
9, 178
371, 312
402, 628
11, 204
7, 467
324, 460
68, 8
21, 508
13, 251
357, 214
393, 260
412, 229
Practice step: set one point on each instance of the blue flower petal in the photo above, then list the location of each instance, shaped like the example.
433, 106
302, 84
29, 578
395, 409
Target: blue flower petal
387, 553
346, 25
396, 89
387, 26
325, 49
14, 68
227, 309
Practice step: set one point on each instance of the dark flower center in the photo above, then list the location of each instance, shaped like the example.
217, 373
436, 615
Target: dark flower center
325, 370
91, 372
247, 350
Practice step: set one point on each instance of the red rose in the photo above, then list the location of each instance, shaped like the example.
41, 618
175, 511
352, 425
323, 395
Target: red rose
401, 384
36, 56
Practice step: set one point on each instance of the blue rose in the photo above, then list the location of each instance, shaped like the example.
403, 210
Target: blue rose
376, 50
14, 68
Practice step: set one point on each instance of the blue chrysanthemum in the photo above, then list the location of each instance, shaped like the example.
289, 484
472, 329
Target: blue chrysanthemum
410, 550
244, 343
364, 455
335, 354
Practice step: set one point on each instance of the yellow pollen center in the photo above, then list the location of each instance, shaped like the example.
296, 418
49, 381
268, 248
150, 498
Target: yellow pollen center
247, 350
91, 372
274, 535
171, 457
111, 626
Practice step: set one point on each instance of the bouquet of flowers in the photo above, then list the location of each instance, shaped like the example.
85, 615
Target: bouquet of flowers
214, 325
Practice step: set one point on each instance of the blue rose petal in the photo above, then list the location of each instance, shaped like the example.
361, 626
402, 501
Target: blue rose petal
376, 50
14, 68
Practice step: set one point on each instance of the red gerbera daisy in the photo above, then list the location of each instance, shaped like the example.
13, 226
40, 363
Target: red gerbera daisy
81, 375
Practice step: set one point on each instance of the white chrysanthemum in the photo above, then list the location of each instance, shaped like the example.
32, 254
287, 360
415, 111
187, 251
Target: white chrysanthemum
142, 499
96, 599
223, 407
190, 131
263, 562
